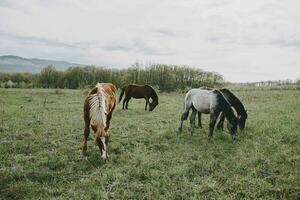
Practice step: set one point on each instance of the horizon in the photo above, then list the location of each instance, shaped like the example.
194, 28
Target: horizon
140, 65
243, 41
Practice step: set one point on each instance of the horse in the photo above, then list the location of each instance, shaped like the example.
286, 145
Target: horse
208, 102
235, 103
139, 91
99, 105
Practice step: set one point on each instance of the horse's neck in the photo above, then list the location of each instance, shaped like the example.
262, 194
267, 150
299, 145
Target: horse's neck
229, 116
226, 108
101, 130
97, 104
234, 102
153, 94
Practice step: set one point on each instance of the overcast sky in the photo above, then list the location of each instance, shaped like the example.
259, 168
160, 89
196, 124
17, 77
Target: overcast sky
242, 40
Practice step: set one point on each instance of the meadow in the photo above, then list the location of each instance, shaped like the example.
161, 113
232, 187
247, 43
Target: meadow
41, 133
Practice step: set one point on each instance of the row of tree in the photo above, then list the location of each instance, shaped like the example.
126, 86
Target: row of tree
164, 77
273, 83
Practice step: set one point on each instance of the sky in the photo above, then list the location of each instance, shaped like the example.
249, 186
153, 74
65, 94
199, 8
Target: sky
244, 41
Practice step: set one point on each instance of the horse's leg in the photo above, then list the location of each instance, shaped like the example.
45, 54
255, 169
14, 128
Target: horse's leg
85, 137
184, 116
192, 120
199, 120
108, 118
220, 125
147, 102
213, 118
127, 100
124, 101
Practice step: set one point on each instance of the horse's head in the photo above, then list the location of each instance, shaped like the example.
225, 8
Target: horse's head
153, 104
103, 146
154, 99
242, 120
232, 127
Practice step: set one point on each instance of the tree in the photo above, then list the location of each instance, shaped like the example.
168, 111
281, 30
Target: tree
49, 77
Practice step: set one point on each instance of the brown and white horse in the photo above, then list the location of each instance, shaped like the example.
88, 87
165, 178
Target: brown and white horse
98, 108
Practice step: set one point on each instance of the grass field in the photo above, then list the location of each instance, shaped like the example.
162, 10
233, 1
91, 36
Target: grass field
41, 138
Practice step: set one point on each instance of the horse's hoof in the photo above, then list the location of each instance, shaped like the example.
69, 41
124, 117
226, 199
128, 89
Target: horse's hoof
234, 138
82, 157
220, 128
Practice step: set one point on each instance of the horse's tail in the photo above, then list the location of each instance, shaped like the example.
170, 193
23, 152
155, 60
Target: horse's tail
122, 93
97, 107
187, 105
187, 101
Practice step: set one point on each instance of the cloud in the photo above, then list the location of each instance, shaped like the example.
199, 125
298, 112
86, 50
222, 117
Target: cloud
38, 40
137, 46
242, 40
165, 32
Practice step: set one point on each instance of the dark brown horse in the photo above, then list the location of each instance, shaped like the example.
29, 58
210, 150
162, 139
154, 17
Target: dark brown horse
139, 91
98, 108
237, 105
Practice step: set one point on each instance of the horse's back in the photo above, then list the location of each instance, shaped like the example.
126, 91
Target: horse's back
203, 100
108, 86
110, 92
134, 87
135, 91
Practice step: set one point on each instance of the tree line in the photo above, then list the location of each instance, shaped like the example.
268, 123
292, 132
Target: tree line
164, 77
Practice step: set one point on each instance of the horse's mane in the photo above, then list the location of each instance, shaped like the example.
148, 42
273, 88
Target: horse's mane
205, 88
234, 101
97, 106
225, 106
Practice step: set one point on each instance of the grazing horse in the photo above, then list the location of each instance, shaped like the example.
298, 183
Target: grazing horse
139, 91
235, 103
208, 102
98, 108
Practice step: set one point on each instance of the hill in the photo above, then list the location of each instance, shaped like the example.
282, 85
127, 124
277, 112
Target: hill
11, 63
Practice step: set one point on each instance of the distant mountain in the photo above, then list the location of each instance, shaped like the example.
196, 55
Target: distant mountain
11, 63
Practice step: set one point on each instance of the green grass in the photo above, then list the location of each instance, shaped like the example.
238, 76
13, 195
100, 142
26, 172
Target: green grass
41, 138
